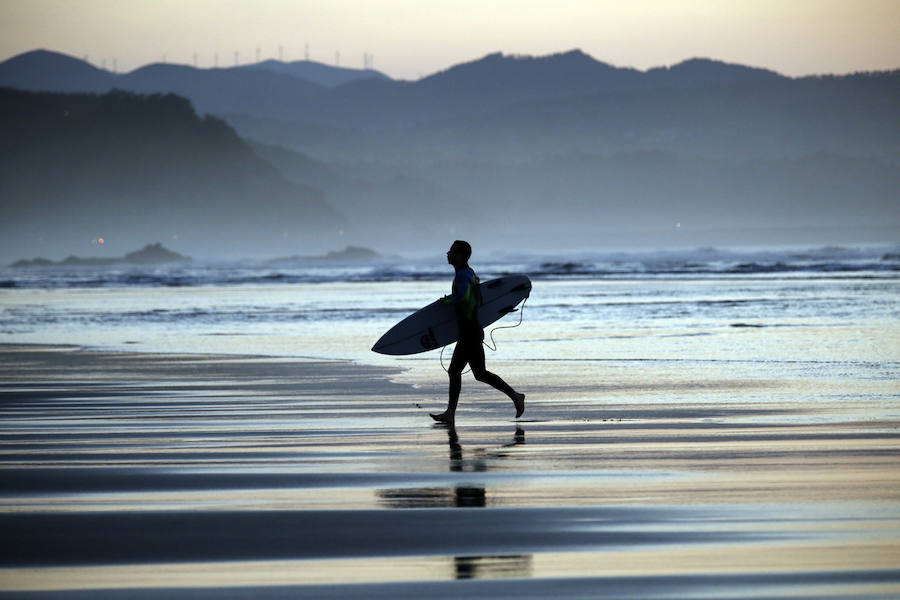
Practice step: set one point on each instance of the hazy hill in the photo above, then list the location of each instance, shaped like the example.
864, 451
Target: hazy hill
499, 78
397, 206
519, 107
270, 87
698, 72
315, 72
221, 91
42, 70
854, 115
580, 196
132, 169
151, 254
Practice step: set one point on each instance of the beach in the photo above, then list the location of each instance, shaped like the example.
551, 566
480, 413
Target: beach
139, 474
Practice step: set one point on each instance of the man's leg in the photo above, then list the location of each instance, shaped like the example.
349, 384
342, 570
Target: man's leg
457, 364
476, 361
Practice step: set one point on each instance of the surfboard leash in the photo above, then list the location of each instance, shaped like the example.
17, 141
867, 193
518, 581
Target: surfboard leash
493, 348
521, 310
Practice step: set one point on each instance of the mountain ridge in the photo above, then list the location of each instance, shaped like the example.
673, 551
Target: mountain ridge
38, 69
315, 72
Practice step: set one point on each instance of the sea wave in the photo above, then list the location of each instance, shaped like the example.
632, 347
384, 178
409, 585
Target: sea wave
703, 262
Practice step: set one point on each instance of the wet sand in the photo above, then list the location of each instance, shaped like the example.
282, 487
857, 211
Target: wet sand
143, 475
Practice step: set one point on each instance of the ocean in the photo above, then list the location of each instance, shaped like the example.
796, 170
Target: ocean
807, 310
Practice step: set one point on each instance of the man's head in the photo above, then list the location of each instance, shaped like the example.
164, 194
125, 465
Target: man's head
459, 253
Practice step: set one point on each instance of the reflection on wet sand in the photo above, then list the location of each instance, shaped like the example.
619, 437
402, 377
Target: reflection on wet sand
459, 496
492, 567
463, 496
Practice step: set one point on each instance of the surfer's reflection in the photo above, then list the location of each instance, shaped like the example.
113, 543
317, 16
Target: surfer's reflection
460, 496
492, 567
464, 496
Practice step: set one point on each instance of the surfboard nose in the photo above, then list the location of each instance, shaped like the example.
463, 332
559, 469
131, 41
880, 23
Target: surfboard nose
379, 346
386, 350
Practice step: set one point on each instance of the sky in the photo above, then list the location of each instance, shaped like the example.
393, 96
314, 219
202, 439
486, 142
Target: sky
409, 39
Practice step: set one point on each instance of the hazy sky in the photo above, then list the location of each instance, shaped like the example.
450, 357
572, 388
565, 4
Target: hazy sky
411, 38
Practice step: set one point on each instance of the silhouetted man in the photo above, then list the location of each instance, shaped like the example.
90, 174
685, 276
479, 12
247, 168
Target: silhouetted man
466, 298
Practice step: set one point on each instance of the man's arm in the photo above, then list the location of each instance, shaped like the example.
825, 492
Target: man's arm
464, 293
461, 285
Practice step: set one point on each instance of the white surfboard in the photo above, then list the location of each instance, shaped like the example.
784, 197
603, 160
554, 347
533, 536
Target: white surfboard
435, 325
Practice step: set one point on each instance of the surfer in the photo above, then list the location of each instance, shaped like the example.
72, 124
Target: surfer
465, 299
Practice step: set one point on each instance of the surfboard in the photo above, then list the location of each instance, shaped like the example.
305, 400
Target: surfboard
435, 325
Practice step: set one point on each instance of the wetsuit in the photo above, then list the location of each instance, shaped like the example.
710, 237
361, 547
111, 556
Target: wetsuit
466, 298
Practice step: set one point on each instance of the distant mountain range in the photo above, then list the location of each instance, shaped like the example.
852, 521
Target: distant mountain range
275, 85
556, 150
520, 107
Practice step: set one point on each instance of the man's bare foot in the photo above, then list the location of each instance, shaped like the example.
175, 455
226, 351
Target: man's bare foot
443, 417
519, 401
